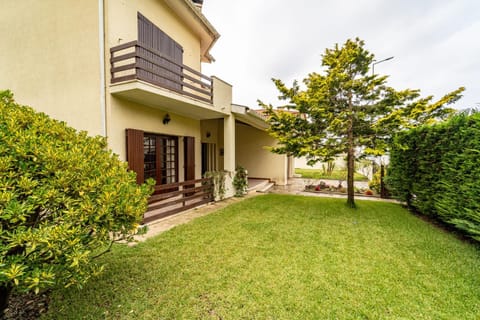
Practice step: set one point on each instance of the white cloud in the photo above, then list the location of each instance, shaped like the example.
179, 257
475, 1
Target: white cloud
435, 42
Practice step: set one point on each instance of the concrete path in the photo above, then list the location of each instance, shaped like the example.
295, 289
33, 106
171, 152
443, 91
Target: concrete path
167, 223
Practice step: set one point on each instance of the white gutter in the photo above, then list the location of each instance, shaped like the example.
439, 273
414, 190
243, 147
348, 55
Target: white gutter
101, 42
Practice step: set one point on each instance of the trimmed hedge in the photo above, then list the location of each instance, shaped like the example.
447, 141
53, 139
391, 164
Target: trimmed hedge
436, 170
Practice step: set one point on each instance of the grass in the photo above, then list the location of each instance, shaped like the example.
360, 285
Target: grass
287, 257
318, 174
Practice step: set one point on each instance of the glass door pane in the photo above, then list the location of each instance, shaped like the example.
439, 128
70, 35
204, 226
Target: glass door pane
150, 156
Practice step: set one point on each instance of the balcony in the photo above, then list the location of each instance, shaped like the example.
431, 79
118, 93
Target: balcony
144, 75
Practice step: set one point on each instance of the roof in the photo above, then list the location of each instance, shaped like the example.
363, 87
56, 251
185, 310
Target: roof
253, 118
198, 23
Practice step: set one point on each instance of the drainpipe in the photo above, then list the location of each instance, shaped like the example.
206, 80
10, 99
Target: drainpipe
101, 42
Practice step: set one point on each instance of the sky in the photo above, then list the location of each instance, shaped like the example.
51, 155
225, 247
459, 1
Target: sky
435, 43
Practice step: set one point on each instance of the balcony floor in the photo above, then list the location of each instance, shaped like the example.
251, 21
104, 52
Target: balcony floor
153, 96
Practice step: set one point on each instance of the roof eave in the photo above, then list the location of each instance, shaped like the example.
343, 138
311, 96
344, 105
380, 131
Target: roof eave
199, 24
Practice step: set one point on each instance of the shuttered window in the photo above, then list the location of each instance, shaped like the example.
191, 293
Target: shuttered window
152, 67
135, 153
189, 146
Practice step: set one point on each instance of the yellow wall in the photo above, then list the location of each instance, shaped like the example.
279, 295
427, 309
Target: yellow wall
222, 98
125, 114
121, 22
252, 155
215, 128
49, 58
122, 26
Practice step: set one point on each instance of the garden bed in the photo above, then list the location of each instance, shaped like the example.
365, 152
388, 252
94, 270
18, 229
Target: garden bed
342, 193
323, 187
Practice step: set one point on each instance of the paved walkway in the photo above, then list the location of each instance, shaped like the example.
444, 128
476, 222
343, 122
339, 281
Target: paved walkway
169, 222
295, 186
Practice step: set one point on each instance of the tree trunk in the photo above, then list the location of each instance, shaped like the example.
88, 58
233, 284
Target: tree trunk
350, 171
350, 156
383, 190
5, 291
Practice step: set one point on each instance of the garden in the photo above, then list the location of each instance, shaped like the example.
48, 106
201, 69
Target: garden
286, 257
270, 256
333, 181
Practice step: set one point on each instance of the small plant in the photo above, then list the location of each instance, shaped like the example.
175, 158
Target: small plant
218, 177
240, 181
374, 184
328, 169
309, 184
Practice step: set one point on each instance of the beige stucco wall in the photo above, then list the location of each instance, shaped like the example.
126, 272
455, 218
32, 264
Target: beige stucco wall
222, 98
122, 26
49, 58
125, 114
211, 127
252, 155
212, 132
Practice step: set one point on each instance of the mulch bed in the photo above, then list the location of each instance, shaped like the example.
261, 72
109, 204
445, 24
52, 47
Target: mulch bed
26, 306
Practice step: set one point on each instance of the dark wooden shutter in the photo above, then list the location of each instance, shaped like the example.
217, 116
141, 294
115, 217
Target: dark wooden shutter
189, 154
163, 71
135, 154
189, 163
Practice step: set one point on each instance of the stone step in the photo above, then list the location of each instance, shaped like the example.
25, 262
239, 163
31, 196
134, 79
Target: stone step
257, 185
266, 188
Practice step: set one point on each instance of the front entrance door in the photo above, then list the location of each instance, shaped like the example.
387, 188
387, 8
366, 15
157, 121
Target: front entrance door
209, 157
152, 156
160, 158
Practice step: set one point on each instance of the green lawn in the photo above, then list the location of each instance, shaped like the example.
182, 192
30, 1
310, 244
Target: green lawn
336, 174
287, 257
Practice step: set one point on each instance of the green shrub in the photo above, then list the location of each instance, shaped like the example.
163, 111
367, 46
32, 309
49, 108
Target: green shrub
64, 199
218, 178
375, 184
240, 181
436, 170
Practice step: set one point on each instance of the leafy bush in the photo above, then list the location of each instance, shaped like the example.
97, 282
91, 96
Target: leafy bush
218, 178
240, 181
64, 199
436, 170
375, 184
328, 169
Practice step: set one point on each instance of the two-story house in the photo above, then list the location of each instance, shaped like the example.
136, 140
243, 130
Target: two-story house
130, 70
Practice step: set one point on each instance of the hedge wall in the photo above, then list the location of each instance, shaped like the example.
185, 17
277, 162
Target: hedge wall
436, 170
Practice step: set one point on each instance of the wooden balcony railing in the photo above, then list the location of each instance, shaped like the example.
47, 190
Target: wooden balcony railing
134, 60
171, 198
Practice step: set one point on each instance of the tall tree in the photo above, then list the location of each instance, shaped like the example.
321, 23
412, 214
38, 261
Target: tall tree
346, 109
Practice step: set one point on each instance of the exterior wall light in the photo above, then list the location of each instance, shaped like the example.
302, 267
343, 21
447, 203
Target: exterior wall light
166, 119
